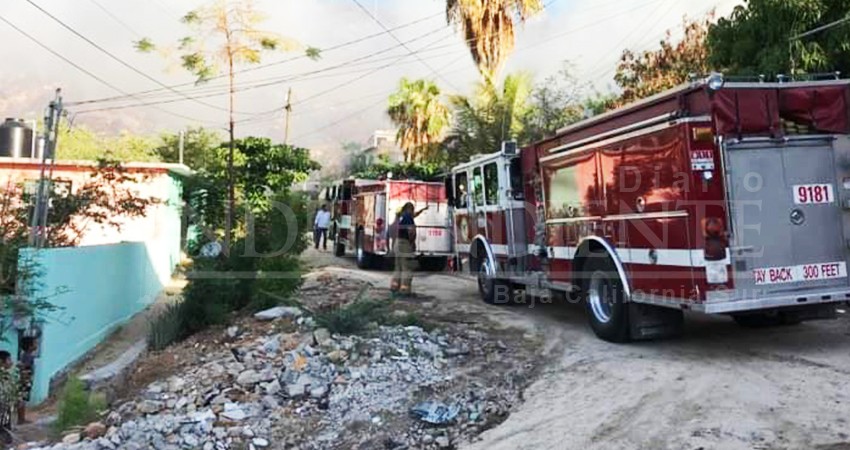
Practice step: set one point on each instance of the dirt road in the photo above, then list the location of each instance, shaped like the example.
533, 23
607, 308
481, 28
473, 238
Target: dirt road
718, 387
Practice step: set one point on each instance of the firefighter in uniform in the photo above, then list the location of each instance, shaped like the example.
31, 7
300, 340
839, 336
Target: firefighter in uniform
404, 247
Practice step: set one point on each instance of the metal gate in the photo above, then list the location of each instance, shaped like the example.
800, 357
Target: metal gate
786, 217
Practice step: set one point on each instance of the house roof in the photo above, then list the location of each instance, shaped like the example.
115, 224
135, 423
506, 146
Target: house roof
29, 163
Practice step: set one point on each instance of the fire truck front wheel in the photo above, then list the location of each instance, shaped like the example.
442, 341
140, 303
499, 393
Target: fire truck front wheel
603, 293
493, 290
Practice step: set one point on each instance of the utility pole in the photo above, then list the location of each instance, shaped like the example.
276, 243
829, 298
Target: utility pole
181, 145
38, 223
288, 109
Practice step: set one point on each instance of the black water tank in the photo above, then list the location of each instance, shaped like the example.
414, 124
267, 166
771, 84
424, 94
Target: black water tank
15, 139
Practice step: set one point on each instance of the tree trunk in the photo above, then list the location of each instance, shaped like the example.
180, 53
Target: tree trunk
231, 188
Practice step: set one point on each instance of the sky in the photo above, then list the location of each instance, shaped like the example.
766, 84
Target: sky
341, 97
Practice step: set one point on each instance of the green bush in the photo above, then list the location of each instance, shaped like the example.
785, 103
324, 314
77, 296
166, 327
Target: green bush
166, 328
277, 278
77, 406
353, 318
262, 267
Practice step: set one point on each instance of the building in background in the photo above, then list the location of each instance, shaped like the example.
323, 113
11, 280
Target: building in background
112, 274
382, 143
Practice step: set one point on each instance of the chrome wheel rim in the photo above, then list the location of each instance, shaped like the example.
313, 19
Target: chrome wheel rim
598, 294
360, 253
484, 278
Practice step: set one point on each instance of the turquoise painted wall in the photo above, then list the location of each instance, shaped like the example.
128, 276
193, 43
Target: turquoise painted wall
104, 285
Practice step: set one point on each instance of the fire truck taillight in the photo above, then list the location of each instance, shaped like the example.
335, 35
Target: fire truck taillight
715, 239
380, 225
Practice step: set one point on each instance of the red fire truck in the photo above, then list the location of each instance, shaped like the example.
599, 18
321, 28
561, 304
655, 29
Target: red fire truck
373, 206
720, 197
339, 198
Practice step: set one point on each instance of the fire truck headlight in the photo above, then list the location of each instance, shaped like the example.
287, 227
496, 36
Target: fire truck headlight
716, 82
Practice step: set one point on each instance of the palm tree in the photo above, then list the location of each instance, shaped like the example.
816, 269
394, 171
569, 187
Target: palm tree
420, 116
488, 27
492, 115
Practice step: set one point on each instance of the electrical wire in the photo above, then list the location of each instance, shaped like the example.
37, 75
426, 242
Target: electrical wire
117, 59
116, 18
82, 69
389, 32
277, 81
272, 64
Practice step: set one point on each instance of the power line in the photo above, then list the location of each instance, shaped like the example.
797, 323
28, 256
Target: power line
562, 34
276, 63
388, 31
300, 77
80, 68
280, 80
119, 60
116, 18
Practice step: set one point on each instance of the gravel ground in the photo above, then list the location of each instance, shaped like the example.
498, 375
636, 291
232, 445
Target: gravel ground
719, 386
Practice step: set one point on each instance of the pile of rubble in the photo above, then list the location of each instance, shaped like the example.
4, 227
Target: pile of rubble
394, 387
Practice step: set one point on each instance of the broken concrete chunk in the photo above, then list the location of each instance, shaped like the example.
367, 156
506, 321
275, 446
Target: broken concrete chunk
278, 312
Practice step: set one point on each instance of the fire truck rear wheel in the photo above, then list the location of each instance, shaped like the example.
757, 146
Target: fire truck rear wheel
607, 310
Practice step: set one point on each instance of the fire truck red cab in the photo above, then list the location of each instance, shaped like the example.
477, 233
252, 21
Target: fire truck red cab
719, 197
339, 198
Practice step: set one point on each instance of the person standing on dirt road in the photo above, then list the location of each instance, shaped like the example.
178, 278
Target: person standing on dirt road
320, 227
404, 247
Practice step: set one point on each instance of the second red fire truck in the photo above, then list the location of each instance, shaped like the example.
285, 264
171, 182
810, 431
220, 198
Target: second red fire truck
718, 197
365, 209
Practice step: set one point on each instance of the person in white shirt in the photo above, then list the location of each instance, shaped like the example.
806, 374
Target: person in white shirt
320, 227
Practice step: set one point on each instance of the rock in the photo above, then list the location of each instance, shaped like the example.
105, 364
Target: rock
248, 378
278, 312
72, 438
260, 442
272, 387
95, 430
443, 442
232, 332
272, 345
318, 391
322, 337
269, 402
337, 356
190, 440
427, 439
176, 384
233, 412
149, 407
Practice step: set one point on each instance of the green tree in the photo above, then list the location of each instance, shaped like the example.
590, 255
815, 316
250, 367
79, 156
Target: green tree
81, 143
201, 148
224, 36
269, 168
415, 108
492, 115
641, 75
754, 39
488, 28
